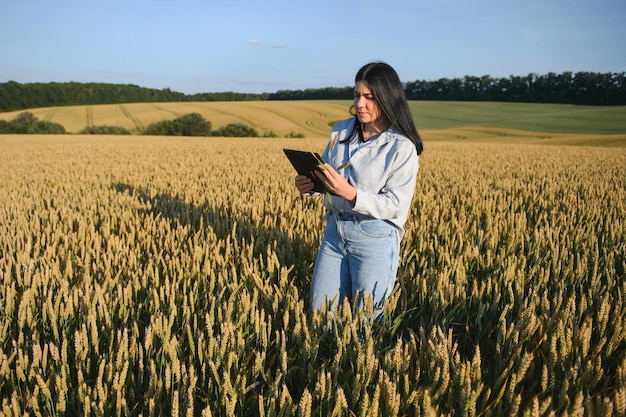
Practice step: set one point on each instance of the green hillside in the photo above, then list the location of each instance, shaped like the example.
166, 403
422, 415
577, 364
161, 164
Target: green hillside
561, 118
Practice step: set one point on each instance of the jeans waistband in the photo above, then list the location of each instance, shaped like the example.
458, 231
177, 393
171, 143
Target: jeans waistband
349, 216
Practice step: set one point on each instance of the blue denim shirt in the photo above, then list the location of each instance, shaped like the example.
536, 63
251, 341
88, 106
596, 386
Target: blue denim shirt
383, 170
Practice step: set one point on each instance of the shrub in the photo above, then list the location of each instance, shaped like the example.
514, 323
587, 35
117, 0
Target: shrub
4, 127
238, 130
26, 122
161, 128
270, 134
105, 130
191, 124
295, 135
22, 122
45, 127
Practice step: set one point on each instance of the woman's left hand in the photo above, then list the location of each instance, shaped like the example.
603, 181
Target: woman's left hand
335, 183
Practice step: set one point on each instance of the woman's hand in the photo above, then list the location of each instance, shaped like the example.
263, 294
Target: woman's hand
304, 184
335, 183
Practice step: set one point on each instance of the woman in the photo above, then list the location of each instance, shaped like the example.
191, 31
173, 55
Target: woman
370, 166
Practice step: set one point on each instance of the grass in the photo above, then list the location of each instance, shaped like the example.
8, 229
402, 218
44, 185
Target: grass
555, 118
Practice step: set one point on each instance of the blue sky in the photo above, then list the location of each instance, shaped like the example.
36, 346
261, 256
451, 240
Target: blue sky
254, 46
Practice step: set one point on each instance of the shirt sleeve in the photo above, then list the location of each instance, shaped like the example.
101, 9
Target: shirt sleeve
394, 199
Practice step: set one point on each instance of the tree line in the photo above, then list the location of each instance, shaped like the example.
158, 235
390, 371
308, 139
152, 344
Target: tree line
567, 88
17, 96
589, 88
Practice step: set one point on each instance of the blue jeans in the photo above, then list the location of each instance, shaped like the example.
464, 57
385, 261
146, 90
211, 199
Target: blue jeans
357, 255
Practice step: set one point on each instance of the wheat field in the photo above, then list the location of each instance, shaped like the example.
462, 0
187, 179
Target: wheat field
158, 276
310, 118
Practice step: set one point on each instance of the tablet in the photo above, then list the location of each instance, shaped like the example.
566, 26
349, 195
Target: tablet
306, 163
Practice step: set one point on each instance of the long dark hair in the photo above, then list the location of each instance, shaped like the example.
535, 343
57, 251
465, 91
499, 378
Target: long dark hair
387, 90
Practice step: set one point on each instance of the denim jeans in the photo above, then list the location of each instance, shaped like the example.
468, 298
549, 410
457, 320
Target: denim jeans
357, 255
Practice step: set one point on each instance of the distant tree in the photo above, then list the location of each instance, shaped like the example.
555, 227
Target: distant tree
192, 124
160, 128
45, 127
329, 93
238, 130
22, 122
227, 96
26, 122
104, 130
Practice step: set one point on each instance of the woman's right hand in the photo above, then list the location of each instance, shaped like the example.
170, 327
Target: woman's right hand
304, 184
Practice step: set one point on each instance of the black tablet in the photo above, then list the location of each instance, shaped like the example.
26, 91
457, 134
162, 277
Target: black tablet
306, 163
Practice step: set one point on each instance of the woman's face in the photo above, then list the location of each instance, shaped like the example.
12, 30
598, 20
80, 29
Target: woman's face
367, 110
